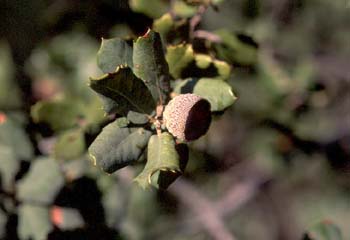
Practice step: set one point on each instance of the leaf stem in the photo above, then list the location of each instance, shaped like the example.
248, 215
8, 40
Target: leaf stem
159, 118
195, 20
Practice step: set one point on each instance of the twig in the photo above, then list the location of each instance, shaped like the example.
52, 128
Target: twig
235, 197
195, 20
209, 215
159, 119
207, 35
203, 209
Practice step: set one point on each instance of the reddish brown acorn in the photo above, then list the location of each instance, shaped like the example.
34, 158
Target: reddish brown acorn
187, 116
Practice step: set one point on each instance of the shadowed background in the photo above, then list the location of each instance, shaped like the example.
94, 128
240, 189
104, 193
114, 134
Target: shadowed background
274, 165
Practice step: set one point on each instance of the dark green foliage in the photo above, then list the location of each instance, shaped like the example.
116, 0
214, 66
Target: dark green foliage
162, 179
150, 65
114, 53
137, 87
118, 147
161, 157
123, 92
136, 74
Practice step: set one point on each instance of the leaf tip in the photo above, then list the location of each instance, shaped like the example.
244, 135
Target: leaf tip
234, 97
147, 33
93, 159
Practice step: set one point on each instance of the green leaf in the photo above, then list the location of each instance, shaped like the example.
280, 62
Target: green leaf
163, 179
13, 136
70, 144
77, 168
117, 147
161, 156
114, 201
123, 91
216, 2
70, 59
122, 122
183, 62
178, 58
224, 69
93, 112
273, 77
42, 182
9, 91
310, 126
150, 65
68, 113
151, 8
109, 105
184, 10
8, 168
66, 218
163, 24
324, 231
137, 222
203, 60
234, 49
114, 53
121, 30
216, 91
59, 115
33, 222
137, 118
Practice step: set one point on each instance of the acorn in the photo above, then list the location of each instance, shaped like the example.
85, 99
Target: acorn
187, 116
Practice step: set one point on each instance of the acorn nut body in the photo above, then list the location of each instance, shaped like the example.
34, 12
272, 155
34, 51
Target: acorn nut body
187, 116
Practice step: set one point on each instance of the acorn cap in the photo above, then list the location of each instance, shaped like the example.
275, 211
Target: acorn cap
187, 116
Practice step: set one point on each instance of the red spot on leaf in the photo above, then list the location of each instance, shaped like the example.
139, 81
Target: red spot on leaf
327, 222
56, 214
3, 117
